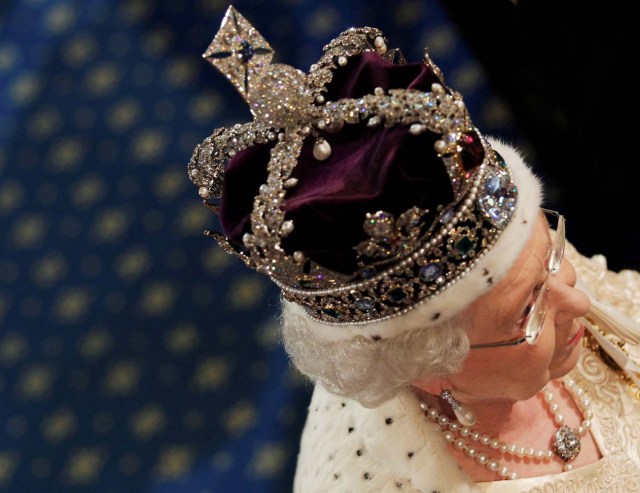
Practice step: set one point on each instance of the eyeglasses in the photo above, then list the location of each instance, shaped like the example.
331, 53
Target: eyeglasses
534, 321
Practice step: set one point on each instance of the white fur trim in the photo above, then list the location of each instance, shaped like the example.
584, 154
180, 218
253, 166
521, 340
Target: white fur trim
396, 443
460, 295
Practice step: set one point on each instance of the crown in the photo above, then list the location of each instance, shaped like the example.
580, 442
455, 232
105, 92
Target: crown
405, 259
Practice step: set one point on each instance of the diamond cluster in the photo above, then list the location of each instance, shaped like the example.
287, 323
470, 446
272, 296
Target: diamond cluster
566, 443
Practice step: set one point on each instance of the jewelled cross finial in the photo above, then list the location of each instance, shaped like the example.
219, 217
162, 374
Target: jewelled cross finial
239, 51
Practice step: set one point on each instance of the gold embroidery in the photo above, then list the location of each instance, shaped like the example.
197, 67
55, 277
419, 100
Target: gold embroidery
590, 342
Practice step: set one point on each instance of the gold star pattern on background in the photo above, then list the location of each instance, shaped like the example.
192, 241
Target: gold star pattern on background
135, 354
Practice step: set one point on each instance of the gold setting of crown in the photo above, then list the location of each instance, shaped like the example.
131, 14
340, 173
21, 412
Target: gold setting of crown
404, 261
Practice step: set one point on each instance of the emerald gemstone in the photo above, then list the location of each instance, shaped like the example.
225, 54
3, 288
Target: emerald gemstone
332, 312
464, 245
396, 295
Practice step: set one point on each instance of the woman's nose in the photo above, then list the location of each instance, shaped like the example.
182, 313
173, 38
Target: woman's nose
568, 302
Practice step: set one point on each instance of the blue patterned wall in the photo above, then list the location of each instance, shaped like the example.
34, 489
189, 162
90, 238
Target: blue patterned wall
135, 356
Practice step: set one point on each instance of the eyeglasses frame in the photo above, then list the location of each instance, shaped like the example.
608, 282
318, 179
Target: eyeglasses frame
552, 268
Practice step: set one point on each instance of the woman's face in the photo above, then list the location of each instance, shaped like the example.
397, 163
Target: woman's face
518, 372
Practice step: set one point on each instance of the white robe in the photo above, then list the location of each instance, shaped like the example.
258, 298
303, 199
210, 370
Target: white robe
395, 448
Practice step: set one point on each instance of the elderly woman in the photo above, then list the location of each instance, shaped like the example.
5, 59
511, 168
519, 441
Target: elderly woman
425, 291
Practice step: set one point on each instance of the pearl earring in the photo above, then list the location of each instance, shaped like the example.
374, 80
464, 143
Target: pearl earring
463, 415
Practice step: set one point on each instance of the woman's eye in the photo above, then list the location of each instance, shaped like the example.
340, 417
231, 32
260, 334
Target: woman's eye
529, 307
525, 314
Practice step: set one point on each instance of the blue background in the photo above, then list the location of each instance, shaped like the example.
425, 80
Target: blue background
134, 354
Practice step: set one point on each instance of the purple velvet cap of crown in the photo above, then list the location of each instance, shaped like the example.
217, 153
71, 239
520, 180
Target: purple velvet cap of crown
370, 169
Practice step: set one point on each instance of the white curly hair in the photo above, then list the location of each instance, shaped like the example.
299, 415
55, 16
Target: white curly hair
373, 371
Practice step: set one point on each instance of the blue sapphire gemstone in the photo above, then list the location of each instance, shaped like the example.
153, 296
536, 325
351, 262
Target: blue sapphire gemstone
498, 198
495, 214
367, 272
447, 216
431, 272
246, 52
493, 184
364, 304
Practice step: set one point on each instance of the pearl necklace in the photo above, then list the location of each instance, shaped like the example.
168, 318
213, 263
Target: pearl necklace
566, 441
